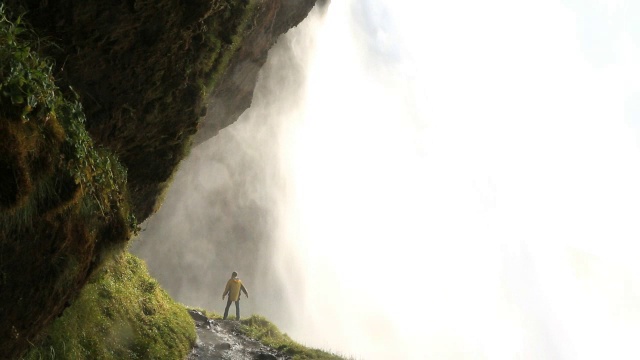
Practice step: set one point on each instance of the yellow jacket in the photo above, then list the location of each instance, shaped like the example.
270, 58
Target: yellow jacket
234, 285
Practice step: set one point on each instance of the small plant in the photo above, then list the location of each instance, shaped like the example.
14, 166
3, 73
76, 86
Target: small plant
25, 79
28, 92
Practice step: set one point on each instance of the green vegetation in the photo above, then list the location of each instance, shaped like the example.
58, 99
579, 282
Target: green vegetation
259, 328
142, 71
121, 313
237, 15
36, 118
63, 201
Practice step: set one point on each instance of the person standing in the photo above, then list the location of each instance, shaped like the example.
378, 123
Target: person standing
233, 288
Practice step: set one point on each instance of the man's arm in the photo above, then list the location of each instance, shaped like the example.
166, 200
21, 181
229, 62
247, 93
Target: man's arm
244, 290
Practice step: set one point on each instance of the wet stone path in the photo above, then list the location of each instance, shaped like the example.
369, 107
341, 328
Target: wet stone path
222, 340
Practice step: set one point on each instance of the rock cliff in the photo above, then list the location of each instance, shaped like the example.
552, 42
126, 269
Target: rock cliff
147, 76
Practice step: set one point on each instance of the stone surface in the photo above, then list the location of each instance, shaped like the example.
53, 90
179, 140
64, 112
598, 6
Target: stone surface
197, 316
232, 96
221, 339
266, 356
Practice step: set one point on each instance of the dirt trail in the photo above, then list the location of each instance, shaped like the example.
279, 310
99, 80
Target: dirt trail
222, 340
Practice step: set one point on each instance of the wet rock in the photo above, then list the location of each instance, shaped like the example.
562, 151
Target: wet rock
234, 91
265, 356
197, 315
223, 340
222, 346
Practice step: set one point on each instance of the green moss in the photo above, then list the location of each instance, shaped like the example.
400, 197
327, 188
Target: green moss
226, 43
121, 313
63, 201
44, 134
261, 329
143, 71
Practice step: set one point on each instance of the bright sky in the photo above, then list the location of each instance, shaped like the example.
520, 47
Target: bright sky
467, 180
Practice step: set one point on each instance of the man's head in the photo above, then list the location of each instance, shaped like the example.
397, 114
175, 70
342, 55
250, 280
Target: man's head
234, 274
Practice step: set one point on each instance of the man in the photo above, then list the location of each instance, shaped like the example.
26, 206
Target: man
234, 285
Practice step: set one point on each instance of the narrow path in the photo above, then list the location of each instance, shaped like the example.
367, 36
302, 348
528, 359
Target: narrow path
223, 340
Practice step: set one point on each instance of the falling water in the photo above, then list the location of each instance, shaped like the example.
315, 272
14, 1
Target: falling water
427, 180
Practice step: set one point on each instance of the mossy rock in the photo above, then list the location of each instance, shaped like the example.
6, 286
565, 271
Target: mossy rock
142, 70
122, 313
63, 202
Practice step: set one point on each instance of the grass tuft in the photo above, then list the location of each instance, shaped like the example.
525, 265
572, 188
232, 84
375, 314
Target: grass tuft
261, 329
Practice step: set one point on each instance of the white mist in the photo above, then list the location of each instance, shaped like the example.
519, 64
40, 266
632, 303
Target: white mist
463, 184
427, 180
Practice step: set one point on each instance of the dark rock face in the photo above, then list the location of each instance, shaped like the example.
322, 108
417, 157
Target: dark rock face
141, 70
197, 315
233, 94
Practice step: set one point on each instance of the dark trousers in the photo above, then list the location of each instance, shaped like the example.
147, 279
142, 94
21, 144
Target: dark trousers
226, 310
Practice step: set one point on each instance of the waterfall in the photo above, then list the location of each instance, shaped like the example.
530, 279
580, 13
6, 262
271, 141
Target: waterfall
420, 180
